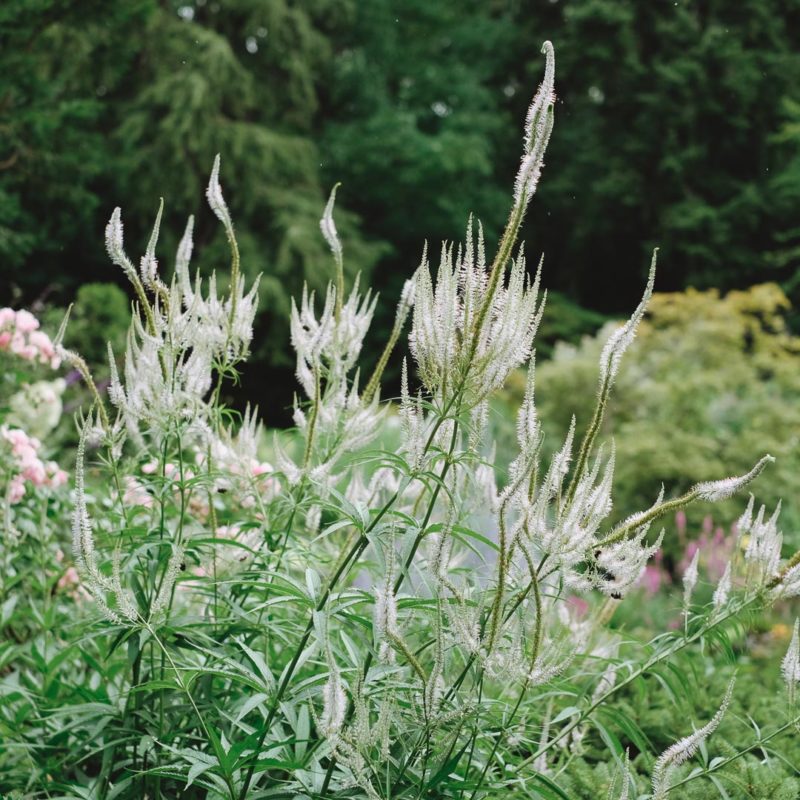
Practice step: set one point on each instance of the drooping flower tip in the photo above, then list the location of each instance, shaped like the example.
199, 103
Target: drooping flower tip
713, 491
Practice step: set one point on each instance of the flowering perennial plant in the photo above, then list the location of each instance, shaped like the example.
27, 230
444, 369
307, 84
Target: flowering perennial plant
357, 620
20, 336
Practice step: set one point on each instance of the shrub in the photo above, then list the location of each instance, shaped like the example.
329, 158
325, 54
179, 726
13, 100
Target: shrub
353, 622
725, 369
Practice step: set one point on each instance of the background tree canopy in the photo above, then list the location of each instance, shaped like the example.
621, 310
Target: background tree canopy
677, 126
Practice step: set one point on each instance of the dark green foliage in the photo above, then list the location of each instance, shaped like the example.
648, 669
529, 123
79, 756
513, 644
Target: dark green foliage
664, 139
708, 382
100, 316
677, 126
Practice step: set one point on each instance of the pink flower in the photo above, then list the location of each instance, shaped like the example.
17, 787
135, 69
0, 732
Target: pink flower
23, 338
69, 579
42, 345
578, 605
35, 473
17, 343
26, 322
150, 467
135, 494
16, 489
56, 475
651, 579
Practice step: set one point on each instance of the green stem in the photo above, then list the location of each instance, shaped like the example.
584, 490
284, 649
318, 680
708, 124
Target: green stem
648, 665
793, 723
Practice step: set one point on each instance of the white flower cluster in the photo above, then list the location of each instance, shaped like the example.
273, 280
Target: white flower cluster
180, 341
764, 541
467, 338
114, 599
233, 453
336, 417
37, 406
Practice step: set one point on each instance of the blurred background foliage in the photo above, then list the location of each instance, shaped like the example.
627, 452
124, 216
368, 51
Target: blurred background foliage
710, 383
678, 125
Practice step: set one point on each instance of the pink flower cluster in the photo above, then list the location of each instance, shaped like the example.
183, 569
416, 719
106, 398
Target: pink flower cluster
715, 546
20, 335
26, 466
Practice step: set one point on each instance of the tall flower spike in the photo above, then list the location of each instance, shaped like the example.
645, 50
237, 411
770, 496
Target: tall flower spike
538, 127
182, 259
684, 749
114, 244
149, 265
790, 666
690, 580
328, 227
527, 422
746, 520
334, 702
621, 339
625, 775
723, 589
764, 546
214, 195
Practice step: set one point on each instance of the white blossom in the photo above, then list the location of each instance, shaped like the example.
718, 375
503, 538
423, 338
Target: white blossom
765, 540
622, 338
334, 703
790, 666
450, 347
114, 244
538, 127
149, 266
690, 580
328, 227
723, 589
215, 199
714, 491
684, 749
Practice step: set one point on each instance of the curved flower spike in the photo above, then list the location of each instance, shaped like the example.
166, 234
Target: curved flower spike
684, 749
328, 227
214, 195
